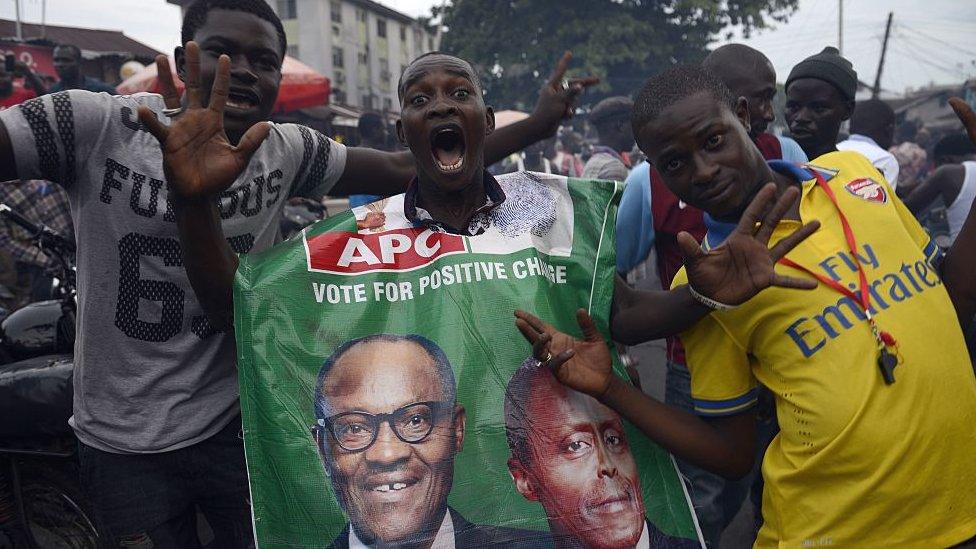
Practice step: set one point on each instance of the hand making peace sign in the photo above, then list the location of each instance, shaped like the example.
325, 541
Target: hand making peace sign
557, 99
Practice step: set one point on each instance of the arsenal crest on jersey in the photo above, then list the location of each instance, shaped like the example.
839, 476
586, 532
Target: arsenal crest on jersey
868, 189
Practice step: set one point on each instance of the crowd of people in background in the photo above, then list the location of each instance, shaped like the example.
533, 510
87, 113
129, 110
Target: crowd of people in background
25, 270
933, 174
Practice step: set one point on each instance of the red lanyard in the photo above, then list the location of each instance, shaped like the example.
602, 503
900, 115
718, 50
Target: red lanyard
887, 361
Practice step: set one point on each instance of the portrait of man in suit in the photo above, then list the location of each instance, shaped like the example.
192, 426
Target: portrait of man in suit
388, 429
570, 453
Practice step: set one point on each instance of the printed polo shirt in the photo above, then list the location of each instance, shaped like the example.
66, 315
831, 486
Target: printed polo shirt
480, 220
857, 462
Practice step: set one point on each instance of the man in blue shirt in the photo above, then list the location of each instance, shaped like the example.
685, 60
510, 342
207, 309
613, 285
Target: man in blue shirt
635, 224
67, 63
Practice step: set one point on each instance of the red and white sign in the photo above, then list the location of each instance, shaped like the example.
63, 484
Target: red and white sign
868, 189
38, 58
348, 253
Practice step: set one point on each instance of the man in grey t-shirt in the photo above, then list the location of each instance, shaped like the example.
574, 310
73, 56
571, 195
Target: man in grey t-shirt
156, 396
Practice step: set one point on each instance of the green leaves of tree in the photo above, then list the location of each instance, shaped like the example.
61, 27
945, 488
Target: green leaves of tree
514, 43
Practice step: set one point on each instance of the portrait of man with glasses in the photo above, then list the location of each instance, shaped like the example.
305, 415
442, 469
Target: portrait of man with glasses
388, 429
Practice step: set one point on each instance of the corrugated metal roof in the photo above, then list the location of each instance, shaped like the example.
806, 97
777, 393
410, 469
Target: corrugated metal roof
89, 40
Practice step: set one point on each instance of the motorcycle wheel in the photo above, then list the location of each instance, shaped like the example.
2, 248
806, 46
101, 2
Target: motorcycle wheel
57, 511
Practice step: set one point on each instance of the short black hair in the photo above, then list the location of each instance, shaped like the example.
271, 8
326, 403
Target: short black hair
954, 144
871, 115
731, 60
673, 85
196, 17
444, 369
71, 47
474, 73
611, 110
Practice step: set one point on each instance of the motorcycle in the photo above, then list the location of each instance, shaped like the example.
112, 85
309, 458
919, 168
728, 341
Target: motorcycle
300, 213
42, 504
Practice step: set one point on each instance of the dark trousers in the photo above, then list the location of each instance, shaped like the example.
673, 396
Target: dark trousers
151, 500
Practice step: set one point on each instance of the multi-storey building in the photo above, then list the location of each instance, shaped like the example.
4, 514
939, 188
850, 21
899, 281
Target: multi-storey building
361, 45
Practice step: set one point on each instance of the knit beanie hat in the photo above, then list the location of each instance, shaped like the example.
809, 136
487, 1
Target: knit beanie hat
828, 66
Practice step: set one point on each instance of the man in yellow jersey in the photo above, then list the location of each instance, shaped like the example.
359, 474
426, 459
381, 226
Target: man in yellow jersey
868, 456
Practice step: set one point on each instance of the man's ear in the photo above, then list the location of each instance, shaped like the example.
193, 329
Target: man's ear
490, 120
180, 55
401, 137
317, 435
460, 419
848, 110
523, 483
742, 113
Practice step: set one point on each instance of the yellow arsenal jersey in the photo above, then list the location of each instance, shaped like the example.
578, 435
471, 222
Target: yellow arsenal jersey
858, 463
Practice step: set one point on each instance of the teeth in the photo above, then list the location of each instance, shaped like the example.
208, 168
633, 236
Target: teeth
452, 167
396, 486
240, 101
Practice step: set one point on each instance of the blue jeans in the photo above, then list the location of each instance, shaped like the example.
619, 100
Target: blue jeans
716, 500
151, 500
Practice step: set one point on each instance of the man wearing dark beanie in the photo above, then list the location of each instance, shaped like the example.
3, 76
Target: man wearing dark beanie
610, 160
819, 98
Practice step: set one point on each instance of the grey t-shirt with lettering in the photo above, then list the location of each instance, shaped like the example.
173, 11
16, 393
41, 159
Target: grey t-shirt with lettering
151, 374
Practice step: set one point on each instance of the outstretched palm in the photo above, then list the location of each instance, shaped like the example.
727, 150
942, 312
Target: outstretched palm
198, 159
583, 365
744, 265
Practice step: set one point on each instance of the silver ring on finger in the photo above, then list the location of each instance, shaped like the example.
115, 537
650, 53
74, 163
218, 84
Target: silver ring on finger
173, 112
546, 360
565, 84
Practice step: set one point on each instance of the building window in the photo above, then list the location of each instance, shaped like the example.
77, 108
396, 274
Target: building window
336, 30
336, 9
361, 16
337, 58
363, 59
430, 43
367, 101
403, 33
381, 28
385, 71
288, 9
293, 50
338, 96
387, 104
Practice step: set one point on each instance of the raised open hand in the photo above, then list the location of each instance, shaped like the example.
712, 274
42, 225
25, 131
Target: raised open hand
743, 265
557, 101
198, 159
583, 365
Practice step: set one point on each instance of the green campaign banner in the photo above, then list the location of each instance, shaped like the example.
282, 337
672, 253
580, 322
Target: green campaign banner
389, 400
